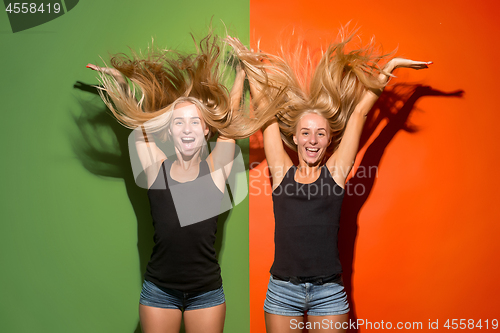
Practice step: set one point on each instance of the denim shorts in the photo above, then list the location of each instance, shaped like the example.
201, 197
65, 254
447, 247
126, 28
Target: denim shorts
159, 297
288, 299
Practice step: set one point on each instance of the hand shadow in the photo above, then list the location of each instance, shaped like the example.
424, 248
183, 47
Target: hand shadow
364, 178
102, 148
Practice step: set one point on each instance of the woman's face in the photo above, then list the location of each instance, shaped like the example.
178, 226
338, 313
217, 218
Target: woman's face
188, 130
312, 138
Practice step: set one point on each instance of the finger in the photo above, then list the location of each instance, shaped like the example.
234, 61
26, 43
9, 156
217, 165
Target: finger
95, 68
426, 64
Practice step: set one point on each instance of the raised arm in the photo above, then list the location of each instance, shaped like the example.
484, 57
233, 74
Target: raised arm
223, 154
342, 161
277, 159
149, 154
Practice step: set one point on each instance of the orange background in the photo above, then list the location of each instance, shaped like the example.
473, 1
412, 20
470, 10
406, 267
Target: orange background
422, 244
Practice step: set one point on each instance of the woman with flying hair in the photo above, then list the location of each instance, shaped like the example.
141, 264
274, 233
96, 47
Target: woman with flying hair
180, 98
313, 106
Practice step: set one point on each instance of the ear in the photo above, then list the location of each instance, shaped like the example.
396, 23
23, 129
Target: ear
295, 139
206, 130
169, 131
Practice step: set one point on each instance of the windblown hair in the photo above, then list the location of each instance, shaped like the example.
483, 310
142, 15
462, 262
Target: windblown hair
297, 82
164, 78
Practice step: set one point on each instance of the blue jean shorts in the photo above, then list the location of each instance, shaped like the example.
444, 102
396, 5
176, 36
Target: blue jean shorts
159, 297
288, 299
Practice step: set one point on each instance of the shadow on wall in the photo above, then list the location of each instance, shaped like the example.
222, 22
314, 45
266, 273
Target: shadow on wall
101, 146
397, 120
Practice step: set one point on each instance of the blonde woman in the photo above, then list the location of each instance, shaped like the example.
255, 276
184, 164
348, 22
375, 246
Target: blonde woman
182, 99
320, 107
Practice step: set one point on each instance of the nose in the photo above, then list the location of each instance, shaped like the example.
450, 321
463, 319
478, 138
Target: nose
313, 139
186, 128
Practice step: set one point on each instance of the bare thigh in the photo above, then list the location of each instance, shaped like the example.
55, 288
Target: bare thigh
283, 324
208, 320
158, 320
323, 324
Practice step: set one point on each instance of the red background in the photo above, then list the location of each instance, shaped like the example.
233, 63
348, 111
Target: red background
424, 243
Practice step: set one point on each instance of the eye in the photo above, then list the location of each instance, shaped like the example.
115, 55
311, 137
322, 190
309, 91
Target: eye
178, 123
305, 133
195, 122
321, 134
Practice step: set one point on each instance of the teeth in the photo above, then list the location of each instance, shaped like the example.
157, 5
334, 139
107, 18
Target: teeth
187, 140
312, 149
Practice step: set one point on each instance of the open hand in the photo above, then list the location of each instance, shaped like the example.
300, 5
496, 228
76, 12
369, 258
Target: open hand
407, 63
105, 70
116, 74
236, 44
240, 49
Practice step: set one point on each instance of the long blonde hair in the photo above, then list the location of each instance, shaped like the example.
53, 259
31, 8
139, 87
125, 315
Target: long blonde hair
161, 79
297, 82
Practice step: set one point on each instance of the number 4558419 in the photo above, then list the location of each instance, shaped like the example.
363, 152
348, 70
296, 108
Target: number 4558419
25, 8
464, 324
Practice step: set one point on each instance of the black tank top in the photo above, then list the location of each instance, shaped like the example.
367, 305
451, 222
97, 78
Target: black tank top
184, 257
307, 222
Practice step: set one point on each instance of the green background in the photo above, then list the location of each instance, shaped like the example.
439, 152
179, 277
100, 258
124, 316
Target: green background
76, 231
